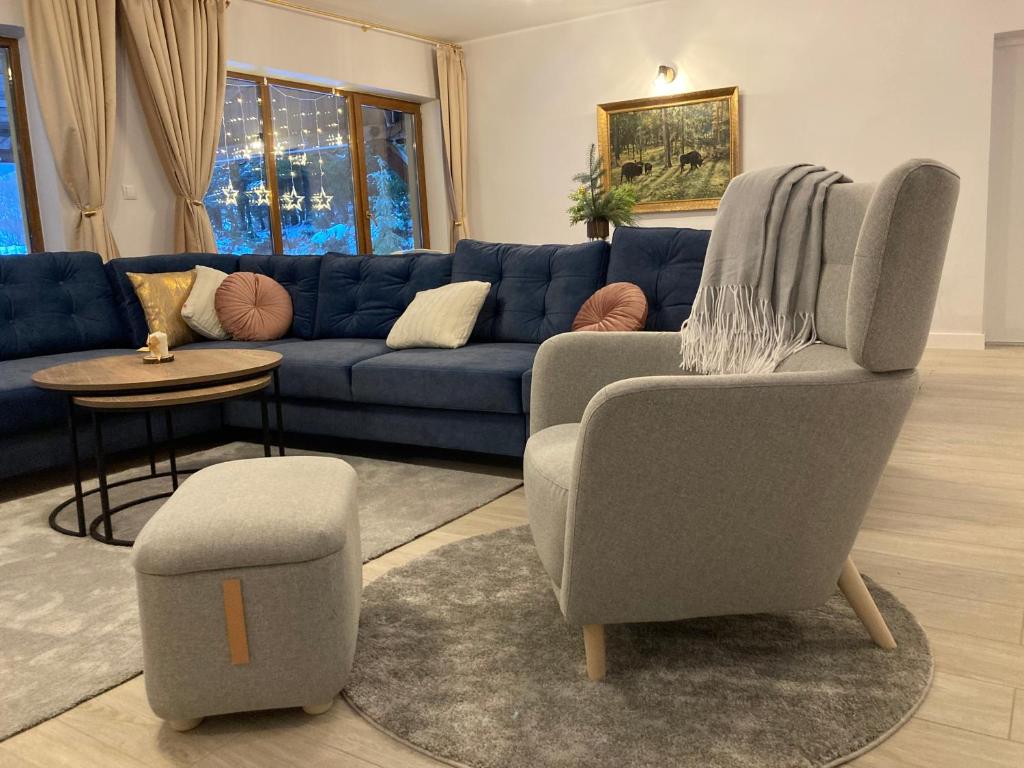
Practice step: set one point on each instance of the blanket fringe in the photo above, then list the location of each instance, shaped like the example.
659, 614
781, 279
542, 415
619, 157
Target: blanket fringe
732, 331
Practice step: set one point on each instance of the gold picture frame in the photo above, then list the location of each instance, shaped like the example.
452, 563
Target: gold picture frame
683, 171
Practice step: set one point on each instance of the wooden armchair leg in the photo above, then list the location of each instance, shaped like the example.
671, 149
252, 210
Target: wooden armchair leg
593, 642
853, 588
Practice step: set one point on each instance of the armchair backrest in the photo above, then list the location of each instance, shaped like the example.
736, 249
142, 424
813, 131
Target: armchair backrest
884, 246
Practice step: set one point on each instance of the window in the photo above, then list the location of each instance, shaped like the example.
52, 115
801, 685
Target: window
304, 169
390, 174
20, 228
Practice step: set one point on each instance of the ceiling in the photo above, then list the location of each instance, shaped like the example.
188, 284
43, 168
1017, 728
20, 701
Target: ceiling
462, 20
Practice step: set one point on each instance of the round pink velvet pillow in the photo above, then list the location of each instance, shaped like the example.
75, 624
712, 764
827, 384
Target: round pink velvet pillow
616, 307
253, 307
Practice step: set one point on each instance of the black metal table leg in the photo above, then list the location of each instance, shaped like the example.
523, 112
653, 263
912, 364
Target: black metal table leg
149, 444
265, 423
277, 407
76, 473
100, 527
169, 425
101, 476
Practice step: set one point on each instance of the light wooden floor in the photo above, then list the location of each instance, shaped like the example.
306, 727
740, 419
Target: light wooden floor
945, 533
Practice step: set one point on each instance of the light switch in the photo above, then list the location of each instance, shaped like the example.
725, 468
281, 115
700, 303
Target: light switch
128, 192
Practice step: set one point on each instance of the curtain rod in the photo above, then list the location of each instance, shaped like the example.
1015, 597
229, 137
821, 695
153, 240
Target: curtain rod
366, 26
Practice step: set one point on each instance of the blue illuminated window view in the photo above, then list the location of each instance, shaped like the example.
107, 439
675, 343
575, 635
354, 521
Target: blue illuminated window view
14, 238
315, 170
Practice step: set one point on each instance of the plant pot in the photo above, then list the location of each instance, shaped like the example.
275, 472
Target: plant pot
597, 229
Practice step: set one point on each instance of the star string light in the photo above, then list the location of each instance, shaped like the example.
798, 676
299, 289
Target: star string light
229, 195
292, 201
321, 201
259, 195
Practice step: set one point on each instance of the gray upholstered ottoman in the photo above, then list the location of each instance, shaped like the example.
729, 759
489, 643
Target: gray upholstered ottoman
249, 582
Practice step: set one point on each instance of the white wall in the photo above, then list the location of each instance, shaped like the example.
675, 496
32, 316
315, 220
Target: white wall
856, 86
263, 40
1004, 269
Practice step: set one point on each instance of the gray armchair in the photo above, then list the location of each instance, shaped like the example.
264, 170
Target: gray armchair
654, 495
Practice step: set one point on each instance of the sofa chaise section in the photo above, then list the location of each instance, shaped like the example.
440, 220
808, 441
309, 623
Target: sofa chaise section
58, 308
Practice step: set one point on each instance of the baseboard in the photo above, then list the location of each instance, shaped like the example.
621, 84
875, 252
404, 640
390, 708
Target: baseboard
956, 340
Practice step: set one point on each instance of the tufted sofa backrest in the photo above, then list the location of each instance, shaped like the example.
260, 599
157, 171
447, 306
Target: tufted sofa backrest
56, 302
363, 296
536, 290
666, 262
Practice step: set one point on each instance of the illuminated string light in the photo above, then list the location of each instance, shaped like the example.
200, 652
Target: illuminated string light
259, 195
228, 194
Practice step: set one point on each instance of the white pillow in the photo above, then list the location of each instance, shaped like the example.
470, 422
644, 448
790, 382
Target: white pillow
441, 317
198, 311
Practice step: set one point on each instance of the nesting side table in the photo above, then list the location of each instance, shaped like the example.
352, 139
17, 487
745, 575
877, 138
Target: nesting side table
123, 383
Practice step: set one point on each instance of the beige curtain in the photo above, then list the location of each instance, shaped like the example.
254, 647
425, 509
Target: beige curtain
177, 51
451, 89
74, 60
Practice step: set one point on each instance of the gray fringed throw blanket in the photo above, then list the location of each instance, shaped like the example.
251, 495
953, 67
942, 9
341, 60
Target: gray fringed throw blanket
755, 305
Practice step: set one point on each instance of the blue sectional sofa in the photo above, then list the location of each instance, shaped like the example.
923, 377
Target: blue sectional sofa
338, 377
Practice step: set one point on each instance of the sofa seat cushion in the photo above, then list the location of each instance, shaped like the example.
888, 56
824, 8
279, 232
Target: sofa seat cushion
666, 262
477, 377
124, 291
236, 344
300, 276
361, 297
536, 290
23, 405
56, 302
322, 369
547, 477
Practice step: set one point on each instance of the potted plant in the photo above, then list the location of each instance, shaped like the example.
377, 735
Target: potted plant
597, 206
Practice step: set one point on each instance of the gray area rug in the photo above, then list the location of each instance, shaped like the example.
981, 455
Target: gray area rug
68, 620
464, 654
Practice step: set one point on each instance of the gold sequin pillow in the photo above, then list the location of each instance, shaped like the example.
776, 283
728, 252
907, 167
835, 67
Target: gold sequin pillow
162, 295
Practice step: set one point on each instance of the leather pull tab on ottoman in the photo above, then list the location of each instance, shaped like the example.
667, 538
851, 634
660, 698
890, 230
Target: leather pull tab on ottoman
234, 618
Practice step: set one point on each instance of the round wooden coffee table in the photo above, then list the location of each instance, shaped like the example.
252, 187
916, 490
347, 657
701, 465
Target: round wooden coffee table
123, 383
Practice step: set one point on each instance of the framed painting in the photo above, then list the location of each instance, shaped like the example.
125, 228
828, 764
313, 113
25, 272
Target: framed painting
680, 151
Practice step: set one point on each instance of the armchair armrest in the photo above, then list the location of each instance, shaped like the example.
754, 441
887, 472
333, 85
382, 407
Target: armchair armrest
572, 367
708, 495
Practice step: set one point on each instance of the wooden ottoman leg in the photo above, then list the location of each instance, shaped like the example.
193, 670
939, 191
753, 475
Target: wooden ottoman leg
318, 709
185, 725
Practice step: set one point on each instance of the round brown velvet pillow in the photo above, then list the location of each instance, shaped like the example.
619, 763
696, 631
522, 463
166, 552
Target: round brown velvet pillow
616, 307
253, 307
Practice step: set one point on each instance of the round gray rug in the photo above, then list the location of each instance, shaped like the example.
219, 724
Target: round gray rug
464, 655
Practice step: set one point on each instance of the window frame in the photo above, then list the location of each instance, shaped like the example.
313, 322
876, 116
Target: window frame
358, 100
18, 114
354, 100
